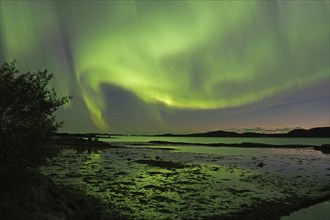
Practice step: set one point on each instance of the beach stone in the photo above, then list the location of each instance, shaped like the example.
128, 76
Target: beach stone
261, 164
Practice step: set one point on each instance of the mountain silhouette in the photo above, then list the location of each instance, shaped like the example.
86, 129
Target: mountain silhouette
320, 132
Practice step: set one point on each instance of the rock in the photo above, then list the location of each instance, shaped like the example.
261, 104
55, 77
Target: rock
261, 164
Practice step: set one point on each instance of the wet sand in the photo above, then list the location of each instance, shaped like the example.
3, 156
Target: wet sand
195, 182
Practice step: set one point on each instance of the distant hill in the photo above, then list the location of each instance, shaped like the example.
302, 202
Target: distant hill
313, 132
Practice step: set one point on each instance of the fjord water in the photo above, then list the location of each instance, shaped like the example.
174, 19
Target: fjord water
225, 140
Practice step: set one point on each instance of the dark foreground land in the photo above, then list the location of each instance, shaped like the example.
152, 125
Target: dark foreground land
27, 194
95, 180
37, 197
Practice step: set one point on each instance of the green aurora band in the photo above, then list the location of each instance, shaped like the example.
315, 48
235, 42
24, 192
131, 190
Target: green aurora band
181, 54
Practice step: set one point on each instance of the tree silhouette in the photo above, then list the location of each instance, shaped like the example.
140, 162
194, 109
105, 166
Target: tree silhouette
27, 122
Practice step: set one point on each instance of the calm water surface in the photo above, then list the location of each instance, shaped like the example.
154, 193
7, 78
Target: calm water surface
227, 140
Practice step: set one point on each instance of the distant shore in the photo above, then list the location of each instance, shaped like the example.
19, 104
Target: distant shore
324, 148
81, 143
318, 132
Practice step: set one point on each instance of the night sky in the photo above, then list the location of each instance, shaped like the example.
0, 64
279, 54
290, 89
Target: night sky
177, 66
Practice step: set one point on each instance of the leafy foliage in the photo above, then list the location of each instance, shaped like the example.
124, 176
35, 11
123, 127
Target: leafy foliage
27, 122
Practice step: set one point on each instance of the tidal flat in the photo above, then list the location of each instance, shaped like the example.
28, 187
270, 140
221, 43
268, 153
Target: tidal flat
150, 181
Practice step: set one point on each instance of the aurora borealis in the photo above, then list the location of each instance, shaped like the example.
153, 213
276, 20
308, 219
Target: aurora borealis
168, 66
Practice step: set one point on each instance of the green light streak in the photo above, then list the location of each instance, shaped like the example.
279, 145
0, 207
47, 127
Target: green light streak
182, 54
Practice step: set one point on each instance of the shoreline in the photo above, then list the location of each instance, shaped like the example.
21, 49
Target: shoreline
78, 205
324, 148
262, 208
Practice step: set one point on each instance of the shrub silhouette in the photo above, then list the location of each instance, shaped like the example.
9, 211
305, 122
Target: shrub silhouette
27, 122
